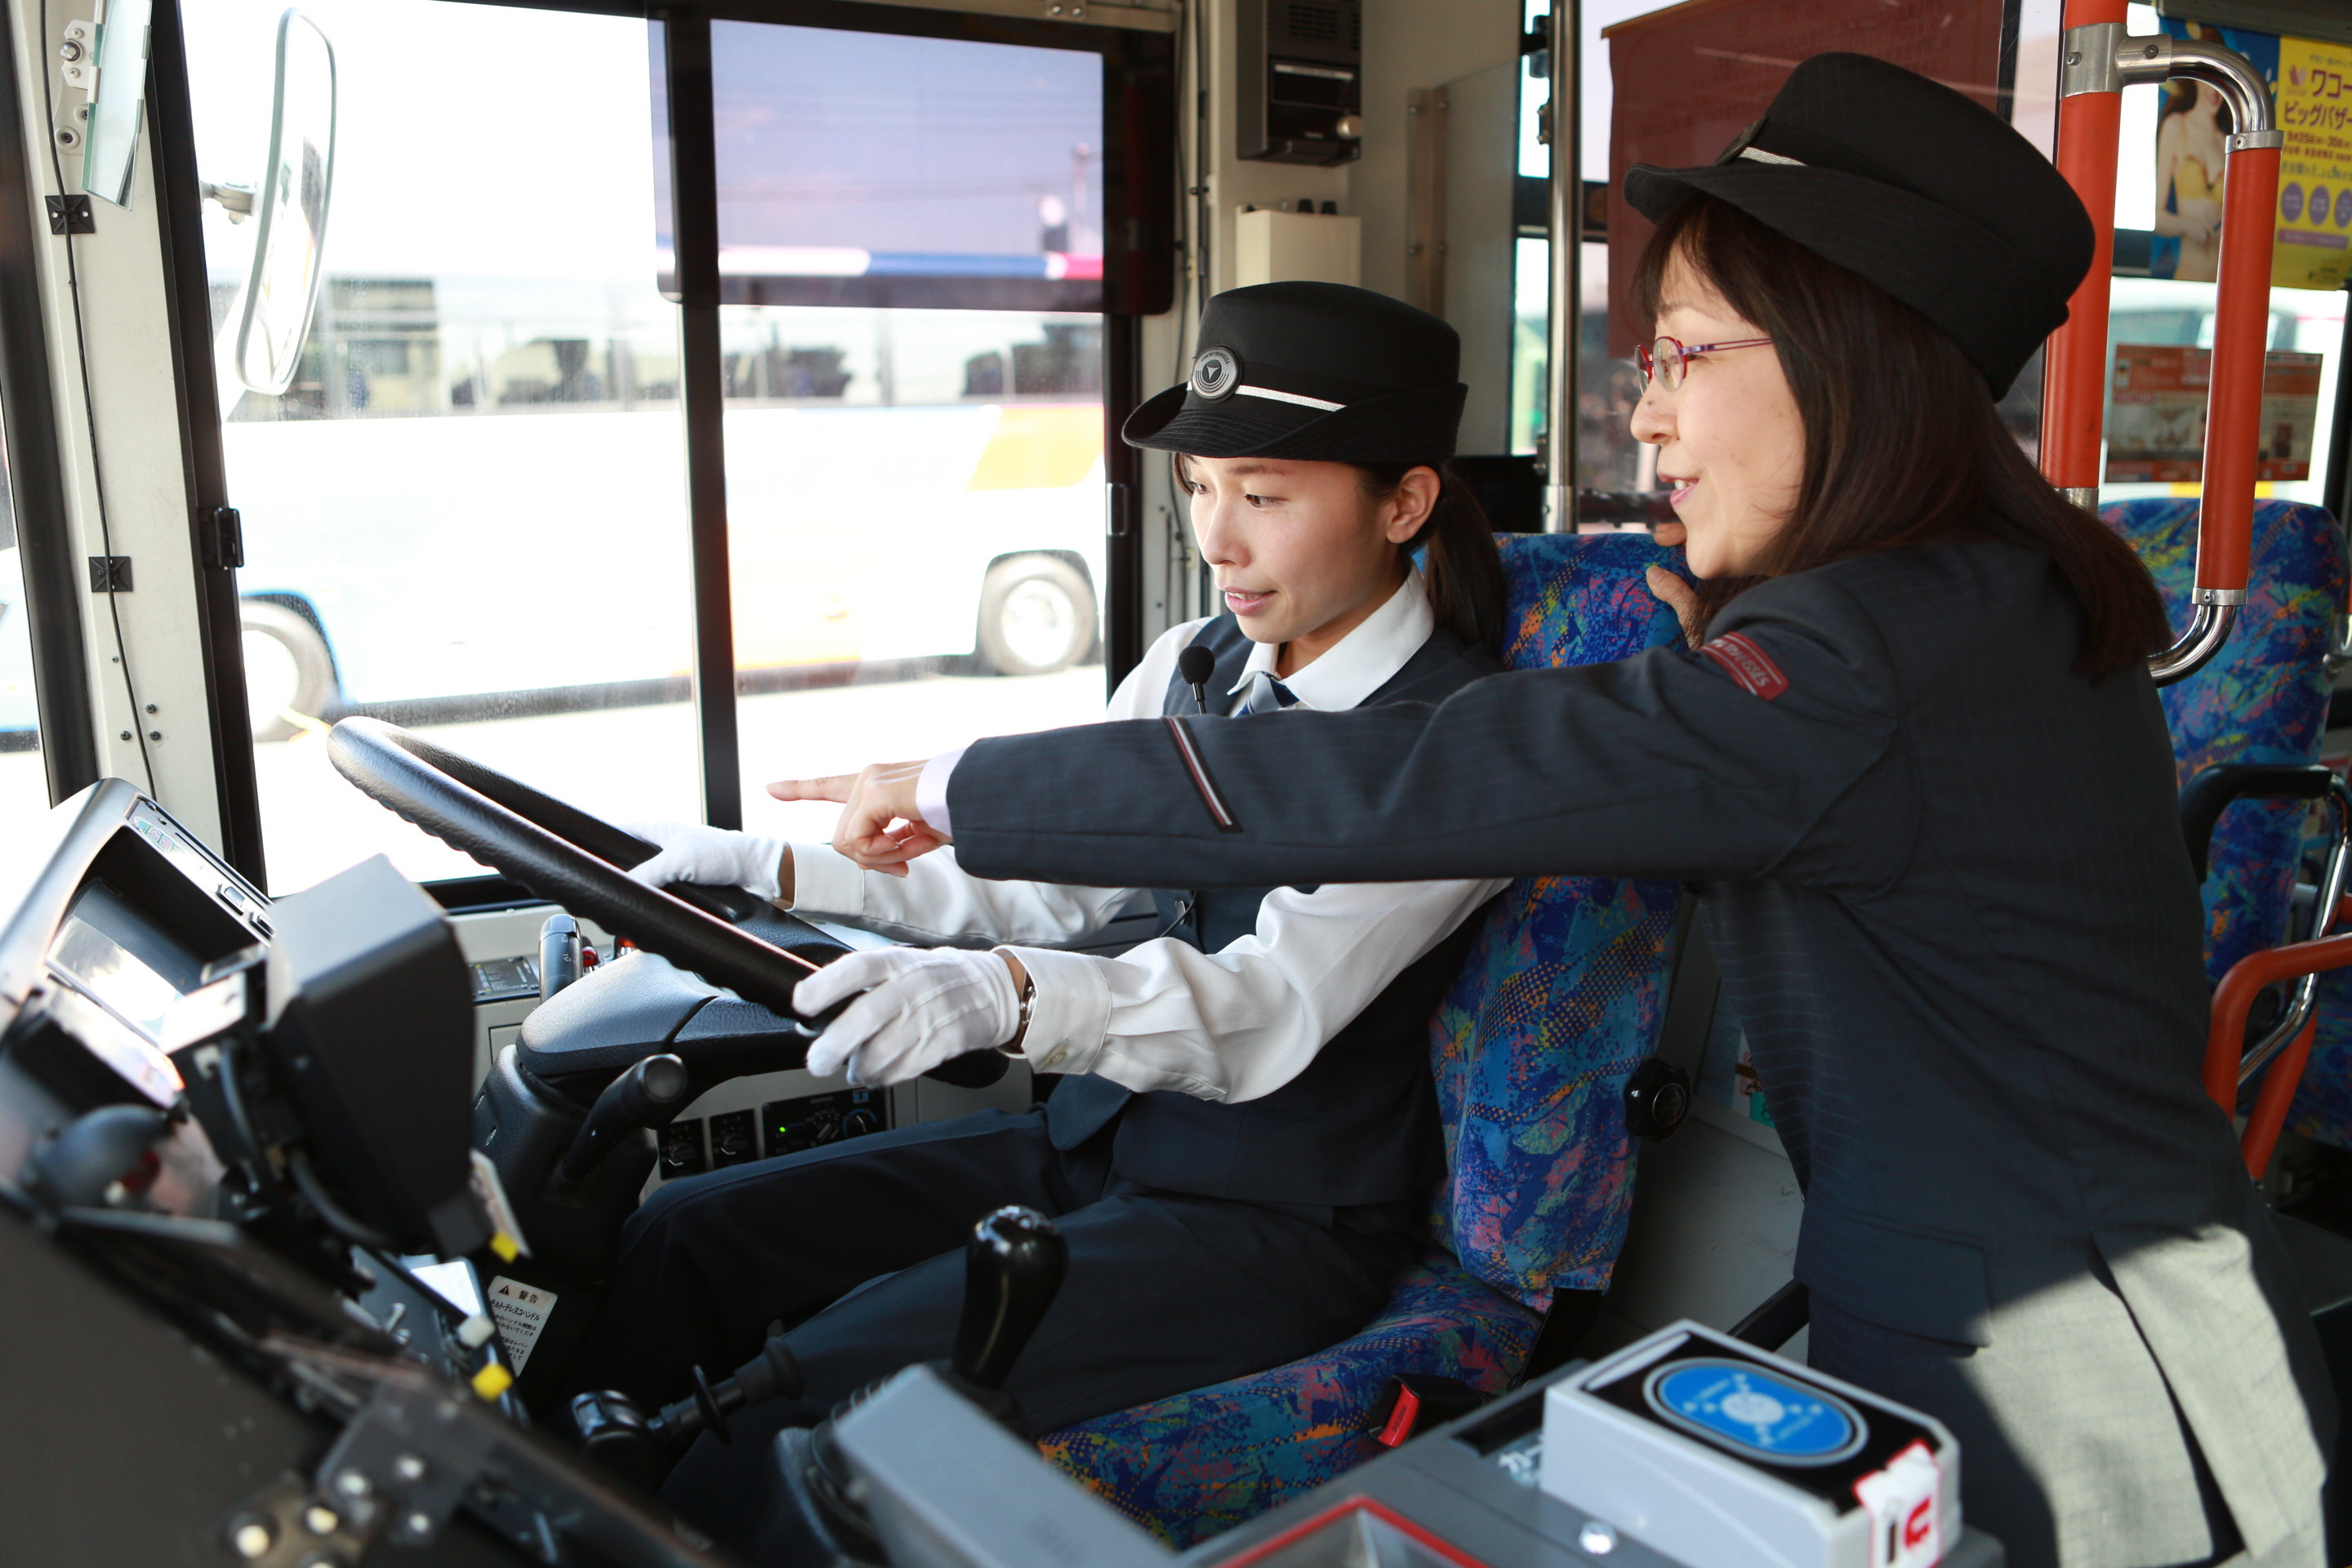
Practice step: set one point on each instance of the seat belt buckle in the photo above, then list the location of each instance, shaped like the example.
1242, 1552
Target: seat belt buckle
1417, 1402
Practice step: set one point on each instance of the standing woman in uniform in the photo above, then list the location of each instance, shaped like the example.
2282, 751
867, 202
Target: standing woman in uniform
1919, 770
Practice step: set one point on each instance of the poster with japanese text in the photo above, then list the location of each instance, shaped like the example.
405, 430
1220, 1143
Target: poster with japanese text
2315, 100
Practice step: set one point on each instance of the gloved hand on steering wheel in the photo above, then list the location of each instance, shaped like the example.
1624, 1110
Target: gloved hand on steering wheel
926, 1005
712, 856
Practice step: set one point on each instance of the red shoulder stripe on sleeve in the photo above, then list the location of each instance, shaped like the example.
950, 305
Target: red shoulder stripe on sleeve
1746, 664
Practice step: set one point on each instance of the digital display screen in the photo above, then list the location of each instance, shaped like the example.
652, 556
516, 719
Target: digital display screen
118, 957
870, 169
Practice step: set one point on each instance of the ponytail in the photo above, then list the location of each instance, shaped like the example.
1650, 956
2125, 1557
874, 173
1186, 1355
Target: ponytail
1459, 561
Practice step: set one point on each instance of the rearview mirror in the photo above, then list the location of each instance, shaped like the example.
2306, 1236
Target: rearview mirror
115, 76
281, 289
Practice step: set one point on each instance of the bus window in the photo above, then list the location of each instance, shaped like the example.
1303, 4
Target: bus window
1606, 456
914, 490
467, 512
24, 787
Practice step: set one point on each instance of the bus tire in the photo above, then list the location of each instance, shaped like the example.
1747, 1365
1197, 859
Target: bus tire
286, 667
1036, 616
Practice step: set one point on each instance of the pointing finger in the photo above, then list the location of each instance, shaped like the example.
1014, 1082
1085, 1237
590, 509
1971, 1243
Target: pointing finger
834, 788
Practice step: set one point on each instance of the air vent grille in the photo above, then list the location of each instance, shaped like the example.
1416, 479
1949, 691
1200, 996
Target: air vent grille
1308, 23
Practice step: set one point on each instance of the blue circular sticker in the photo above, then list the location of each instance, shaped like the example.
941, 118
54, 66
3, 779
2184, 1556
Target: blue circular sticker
1752, 1411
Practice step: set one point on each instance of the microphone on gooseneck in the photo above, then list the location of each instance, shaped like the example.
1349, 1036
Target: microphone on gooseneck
1193, 667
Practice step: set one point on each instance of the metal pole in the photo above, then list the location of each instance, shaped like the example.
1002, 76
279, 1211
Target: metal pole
694, 228
219, 631
1566, 119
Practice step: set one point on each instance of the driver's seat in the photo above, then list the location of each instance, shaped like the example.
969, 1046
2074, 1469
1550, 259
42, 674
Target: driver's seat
1560, 997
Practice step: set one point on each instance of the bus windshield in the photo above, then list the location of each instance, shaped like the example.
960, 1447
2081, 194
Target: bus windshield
468, 511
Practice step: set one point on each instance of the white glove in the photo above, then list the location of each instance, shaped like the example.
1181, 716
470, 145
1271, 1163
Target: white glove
712, 856
927, 1005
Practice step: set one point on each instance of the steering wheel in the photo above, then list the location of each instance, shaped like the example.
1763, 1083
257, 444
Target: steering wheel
568, 858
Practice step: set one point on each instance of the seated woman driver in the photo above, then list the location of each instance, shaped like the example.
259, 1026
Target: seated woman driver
1248, 1133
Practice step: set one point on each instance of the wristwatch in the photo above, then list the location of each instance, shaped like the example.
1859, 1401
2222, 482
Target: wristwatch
1012, 1047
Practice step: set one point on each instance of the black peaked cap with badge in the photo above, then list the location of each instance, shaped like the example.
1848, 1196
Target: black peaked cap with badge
1914, 186
1312, 371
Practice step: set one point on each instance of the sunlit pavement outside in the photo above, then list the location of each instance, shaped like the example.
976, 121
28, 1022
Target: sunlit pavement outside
628, 764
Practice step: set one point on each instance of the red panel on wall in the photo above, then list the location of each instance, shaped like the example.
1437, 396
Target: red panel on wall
1691, 78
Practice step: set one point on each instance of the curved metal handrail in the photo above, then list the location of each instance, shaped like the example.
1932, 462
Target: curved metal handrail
2104, 57
2208, 629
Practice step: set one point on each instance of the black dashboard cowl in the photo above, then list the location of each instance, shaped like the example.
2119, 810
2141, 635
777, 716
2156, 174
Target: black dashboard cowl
610, 1017
615, 1017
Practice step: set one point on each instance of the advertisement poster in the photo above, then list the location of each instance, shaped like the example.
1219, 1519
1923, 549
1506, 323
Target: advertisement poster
2307, 78
2314, 235
2155, 432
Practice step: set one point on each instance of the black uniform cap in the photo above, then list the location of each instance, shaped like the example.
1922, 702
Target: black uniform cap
1917, 188
1314, 371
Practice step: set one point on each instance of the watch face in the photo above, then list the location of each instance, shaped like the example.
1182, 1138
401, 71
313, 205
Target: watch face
1215, 373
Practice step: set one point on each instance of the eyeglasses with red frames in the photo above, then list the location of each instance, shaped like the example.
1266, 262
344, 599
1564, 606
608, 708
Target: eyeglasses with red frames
1669, 358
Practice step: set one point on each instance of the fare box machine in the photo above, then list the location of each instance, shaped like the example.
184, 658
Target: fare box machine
1686, 1450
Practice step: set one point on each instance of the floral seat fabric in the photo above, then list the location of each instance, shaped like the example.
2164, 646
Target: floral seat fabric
2263, 700
1560, 997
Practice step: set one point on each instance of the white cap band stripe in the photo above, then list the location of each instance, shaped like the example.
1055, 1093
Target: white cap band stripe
1761, 156
1267, 392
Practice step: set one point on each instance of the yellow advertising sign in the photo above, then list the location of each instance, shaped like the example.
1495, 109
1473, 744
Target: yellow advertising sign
2315, 109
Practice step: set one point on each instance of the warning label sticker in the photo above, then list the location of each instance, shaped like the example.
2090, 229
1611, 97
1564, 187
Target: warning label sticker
520, 1311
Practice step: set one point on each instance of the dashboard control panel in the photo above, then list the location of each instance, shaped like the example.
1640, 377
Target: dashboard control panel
692, 1146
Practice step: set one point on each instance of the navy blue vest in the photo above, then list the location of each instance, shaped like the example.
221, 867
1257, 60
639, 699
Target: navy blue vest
1360, 1125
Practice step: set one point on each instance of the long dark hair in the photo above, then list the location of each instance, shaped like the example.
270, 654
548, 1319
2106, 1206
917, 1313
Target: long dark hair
1459, 561
1903, 444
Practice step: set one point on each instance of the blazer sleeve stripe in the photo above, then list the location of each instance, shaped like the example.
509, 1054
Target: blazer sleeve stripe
1201, 780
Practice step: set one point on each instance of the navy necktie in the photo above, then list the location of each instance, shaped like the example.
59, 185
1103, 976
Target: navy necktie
1265, 694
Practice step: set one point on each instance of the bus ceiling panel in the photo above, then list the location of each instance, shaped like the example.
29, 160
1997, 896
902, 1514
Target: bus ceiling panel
1151, 16
112, 374
2291, 18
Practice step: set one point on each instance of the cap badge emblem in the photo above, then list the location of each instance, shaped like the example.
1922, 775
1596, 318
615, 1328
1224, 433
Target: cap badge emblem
1216, 371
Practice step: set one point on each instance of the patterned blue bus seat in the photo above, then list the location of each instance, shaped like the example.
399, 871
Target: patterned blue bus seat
2263, 700
1560, 997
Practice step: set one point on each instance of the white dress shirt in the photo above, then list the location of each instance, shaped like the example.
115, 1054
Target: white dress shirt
1232, 1025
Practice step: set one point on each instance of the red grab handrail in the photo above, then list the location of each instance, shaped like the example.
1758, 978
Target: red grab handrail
2242, 340
2074, 370
2100, 59
2226, 1036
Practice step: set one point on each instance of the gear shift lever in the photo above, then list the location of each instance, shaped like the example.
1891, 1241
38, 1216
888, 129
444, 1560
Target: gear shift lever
1013, 1268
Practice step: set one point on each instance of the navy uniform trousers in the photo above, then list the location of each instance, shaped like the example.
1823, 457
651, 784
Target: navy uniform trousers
1165, 1292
